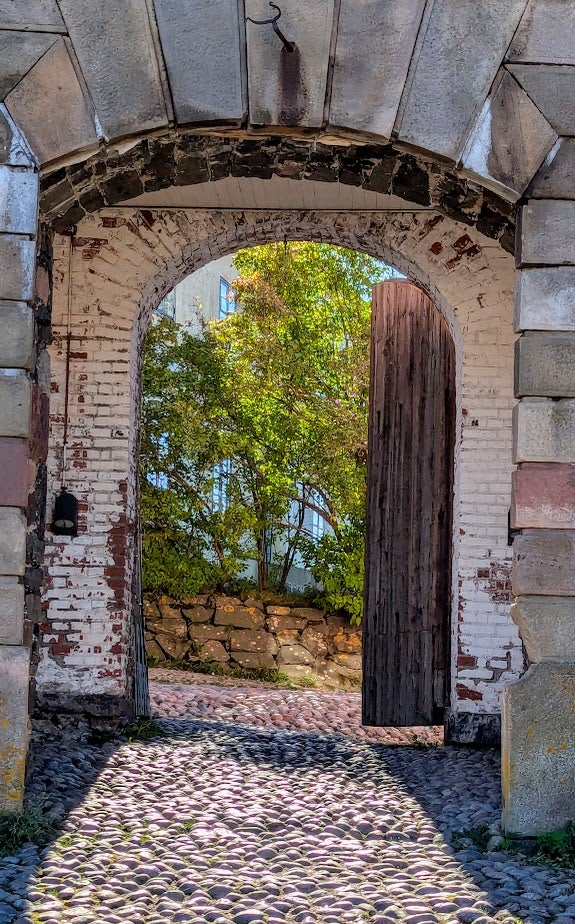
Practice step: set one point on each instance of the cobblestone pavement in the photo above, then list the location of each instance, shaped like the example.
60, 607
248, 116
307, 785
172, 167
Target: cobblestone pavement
234, 817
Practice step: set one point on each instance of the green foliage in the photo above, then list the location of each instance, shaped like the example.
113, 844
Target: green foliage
33, 824
558, 847
144, 729
270, 403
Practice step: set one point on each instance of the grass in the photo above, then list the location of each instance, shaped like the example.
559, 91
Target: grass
32, 825
558, 847
213, 669
144, 730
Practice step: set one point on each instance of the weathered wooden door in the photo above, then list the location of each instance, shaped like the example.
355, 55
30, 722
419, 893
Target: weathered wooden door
406, 651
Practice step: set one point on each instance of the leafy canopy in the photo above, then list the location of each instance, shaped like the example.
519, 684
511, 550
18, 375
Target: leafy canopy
257, 420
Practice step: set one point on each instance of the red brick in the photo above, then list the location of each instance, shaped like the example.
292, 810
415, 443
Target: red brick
14, 486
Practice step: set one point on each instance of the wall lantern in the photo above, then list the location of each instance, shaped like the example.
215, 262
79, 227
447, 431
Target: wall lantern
65, 519
65, 516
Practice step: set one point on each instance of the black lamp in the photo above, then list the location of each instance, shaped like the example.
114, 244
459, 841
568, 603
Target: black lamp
65, 519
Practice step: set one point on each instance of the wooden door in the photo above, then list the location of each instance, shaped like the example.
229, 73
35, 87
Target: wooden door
406, 651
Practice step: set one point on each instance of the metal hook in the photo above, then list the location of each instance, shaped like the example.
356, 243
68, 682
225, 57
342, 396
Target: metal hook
289, 46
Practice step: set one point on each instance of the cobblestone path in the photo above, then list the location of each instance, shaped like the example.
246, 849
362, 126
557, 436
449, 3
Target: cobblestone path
234, 817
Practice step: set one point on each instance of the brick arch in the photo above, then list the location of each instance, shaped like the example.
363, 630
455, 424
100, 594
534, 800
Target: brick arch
124, 261
177, 158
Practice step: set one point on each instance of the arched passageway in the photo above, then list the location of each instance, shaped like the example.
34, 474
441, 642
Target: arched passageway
83, 92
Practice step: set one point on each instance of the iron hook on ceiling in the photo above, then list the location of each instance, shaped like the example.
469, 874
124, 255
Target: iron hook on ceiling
289, 46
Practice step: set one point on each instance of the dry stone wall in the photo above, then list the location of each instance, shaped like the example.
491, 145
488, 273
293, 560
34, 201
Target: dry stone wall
302, 642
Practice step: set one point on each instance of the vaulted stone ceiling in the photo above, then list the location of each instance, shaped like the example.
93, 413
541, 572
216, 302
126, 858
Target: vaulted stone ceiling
488, 86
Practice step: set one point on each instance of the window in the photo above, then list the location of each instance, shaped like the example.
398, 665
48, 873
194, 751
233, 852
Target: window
317, 522
227, 300
167, 307
222, 473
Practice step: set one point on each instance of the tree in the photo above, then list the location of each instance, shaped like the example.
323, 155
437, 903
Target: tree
270, 403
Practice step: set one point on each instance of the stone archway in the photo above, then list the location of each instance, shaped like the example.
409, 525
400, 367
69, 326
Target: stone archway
123, 262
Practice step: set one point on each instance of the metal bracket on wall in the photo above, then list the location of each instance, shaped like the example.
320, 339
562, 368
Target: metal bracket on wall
289, 46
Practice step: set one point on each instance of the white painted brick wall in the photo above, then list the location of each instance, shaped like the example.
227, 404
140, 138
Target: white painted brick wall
87, 629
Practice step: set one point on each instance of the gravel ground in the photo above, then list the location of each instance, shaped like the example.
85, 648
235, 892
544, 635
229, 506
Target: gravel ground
236, 818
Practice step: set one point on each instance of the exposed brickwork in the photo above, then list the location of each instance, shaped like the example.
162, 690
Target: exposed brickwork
123, 264
181, 159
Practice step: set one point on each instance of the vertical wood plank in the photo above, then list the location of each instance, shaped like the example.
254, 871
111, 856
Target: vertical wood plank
409, 510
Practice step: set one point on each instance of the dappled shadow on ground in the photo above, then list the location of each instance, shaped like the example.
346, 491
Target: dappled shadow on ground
225, 822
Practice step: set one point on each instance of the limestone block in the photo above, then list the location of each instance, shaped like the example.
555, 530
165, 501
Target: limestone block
14, 682
294, 654
167, 611
15, 480
15, 402
173, 647
17, 341
510, 139
250, 602
347, 642
547, 233
374, 46
545, 34
175, 627
547, 627
552, 89
17, 267
254, 661
11, 611
538, 750
12, 541
201, 42
284, 88
240, 617
253, 640
31, 13
278, 610
197, 614
19, 51
153, 650
459, 55
543, 563
544, 430
50, 107
545, 364
315, 642
286, 636
554, 179
545, 299
124, 82
214, 651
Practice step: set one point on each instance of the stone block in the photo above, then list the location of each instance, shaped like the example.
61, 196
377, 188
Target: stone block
214, 651
253, 640
15, 403
32, 14
309, 613
294, 654
197, 614
543, 563
286, 636
480, 729
250, 602
374, 46
347, 642
175, 627
469, 39
283, 88
545, 34
545, 364
554, 179
125, 81
510, 139
17, 267
538, 750
278, 610
254, 661
19, 51
173, 647
167, 610
14, 484
240, 617
204, 62
203, 633
552, 89
14, 685
546, 233
545, 299
351, 661
543, 496
277, 623
544, 430
11, 611
12, 541
314, 641
153, 650
50, 107
547, 627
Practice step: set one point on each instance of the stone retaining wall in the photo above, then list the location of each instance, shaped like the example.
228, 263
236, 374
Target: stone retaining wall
299, 641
